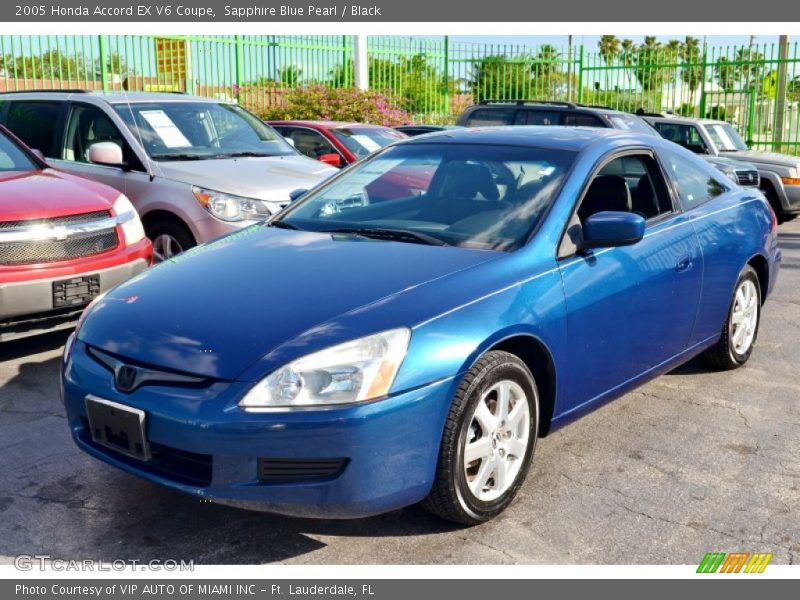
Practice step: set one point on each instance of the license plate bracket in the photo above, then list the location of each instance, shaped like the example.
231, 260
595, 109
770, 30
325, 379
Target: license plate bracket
75, 291
118, 427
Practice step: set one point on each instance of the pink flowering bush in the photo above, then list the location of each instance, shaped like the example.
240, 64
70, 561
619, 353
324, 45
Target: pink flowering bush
338, 104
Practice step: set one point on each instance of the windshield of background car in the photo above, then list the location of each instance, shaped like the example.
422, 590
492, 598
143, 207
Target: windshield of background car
200, 130
478, 196
363, 141
12, 158
632, 123
725, 137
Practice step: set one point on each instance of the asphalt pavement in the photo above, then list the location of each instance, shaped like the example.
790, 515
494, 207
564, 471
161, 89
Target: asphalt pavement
694, 462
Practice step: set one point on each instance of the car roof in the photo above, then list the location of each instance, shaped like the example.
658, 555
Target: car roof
114, 97
548, 105
535, 136
321, 124
682, 120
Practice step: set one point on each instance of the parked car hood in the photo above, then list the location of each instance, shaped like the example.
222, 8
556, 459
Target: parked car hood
267, 178
46, 194
766, 158
215, 310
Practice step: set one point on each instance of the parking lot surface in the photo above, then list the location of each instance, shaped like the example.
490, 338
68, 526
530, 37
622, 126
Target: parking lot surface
694, 462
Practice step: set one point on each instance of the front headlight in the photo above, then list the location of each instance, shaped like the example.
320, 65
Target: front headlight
356, 371
234, 208
129, 220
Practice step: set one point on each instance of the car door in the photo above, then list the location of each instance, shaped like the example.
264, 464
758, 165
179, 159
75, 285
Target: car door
629, 308
87, 124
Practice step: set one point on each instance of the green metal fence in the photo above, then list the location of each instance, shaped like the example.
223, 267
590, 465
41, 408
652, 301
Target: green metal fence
755, 87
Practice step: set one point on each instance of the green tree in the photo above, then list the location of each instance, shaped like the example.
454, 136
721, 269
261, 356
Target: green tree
726, 73
649, 65
749, 68
500, 78
289, 76
628, 59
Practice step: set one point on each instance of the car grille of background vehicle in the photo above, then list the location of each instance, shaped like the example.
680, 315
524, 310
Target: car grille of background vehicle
53, 249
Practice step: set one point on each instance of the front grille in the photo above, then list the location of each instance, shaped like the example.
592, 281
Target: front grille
749, 178
287, 470
44, 251
180, 466
53, 221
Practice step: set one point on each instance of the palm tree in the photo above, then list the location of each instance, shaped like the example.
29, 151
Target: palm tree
609, 50
628, 56
691, 68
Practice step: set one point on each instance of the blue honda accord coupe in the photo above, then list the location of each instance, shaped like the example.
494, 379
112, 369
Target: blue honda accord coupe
407, 330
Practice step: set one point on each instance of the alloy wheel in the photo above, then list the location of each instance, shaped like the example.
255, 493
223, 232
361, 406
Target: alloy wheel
744, 317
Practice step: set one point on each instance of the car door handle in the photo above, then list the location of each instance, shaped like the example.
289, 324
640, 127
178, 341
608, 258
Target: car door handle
684, 264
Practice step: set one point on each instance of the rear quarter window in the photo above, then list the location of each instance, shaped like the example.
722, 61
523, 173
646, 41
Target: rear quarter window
487, 117
34, 123
696, 185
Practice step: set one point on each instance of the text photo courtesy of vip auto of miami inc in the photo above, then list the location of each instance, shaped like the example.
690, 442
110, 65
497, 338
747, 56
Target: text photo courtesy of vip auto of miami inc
371, 299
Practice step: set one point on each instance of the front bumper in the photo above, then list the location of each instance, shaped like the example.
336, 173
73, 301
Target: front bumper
792, 198
205, 445
26, 307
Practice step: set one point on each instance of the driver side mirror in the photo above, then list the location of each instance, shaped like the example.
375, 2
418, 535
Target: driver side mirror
297, 194
107, 154
609, 229
331, 159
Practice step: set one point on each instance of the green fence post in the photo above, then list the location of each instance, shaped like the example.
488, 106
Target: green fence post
580, 75
446, 76
103, 61
702, 114
751, 116
190, 89
237, 40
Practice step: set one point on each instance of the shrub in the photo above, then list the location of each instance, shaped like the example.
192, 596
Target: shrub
338, 104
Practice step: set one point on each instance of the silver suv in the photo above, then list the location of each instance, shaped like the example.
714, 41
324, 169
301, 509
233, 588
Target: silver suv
779, 173
194, 168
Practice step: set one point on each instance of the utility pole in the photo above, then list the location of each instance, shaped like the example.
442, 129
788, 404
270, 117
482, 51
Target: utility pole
780, 97
360, 62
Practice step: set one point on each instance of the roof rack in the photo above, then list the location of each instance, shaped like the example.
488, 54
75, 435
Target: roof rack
62, 90
600, 106
526, 102
640, 112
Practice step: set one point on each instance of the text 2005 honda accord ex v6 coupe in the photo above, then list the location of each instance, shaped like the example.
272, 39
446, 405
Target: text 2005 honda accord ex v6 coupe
365, 350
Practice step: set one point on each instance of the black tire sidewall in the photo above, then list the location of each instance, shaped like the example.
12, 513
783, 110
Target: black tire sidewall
514, 371
178, 231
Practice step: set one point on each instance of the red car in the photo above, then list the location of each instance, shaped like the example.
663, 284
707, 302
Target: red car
335, 142
63, 241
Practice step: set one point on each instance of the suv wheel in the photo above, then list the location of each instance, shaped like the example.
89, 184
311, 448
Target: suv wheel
169, 239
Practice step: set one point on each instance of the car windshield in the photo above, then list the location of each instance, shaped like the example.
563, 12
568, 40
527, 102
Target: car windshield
363, 141
725, 137
200, 131
632, 123
12, 158
478, 196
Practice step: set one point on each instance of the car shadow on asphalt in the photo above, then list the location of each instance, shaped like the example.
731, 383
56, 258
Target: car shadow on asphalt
56, 500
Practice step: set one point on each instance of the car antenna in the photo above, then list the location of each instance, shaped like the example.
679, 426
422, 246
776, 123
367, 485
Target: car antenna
148, 166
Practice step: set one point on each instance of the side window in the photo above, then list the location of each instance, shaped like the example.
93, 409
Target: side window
683, 135
310, 142
487, 117
695, 185
631, 183
34, 122
89, 125
581, 120
537, 117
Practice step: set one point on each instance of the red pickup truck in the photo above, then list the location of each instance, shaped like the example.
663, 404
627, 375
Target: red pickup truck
63, 241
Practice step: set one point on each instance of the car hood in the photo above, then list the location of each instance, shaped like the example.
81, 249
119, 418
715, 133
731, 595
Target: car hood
48, 193
766, 158
265, 178
724, 161
215, 310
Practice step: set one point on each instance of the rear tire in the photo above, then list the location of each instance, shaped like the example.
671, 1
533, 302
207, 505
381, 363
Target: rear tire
740, 330
170, 238
488, 442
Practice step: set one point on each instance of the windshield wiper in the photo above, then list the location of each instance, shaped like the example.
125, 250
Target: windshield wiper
395, 235
241, 155
283, 225
181, 156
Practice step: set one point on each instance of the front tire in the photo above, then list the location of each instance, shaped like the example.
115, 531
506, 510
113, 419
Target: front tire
169, 238
741, 327
488, 442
